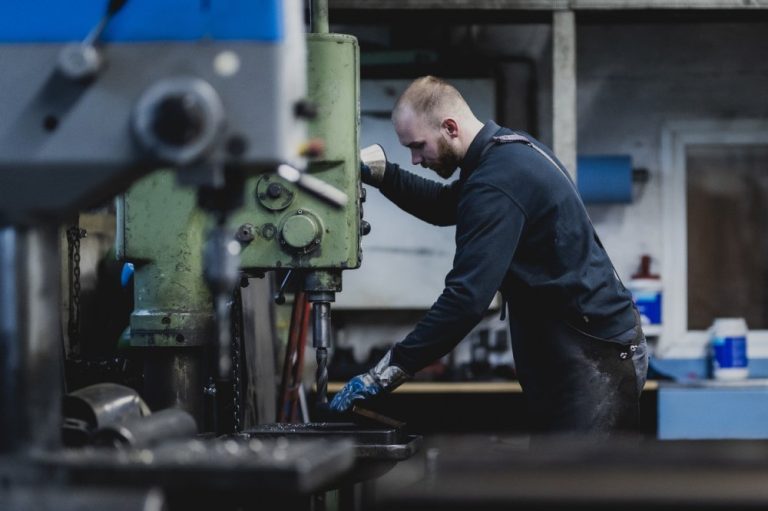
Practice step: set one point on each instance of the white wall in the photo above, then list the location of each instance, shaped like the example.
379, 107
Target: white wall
635, 78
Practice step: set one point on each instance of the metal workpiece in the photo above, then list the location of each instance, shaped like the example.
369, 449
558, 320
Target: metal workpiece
164, 425
30, 326
103, 404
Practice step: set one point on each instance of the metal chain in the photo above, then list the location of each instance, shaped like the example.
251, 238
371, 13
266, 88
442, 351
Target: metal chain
237, 318
74, 235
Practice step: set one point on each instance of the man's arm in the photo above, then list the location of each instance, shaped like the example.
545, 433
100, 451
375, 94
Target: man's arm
489, 227
425, 199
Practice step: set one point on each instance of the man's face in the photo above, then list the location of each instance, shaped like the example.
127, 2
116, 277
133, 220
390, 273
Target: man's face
429, 145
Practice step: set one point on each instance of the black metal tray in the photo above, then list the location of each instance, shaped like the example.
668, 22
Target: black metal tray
329, 430
374, 444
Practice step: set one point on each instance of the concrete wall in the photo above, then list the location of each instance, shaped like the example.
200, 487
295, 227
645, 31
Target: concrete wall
635, 78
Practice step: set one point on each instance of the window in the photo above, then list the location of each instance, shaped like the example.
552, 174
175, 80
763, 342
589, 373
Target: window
715, 230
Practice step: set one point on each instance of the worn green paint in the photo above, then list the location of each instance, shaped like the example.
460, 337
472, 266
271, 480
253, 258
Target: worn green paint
164, 230
163, 236
334, 86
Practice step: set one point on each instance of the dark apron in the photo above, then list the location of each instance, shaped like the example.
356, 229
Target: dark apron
577, 383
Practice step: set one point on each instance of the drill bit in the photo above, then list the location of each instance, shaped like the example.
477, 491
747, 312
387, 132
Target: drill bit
321, 312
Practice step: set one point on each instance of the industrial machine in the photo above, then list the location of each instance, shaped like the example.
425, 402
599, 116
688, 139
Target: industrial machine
95, 96
233, 157
278, 226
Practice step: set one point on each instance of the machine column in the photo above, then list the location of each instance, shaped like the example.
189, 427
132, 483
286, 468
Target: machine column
30, 333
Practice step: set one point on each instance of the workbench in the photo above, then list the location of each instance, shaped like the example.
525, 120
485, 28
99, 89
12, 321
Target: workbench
479, 406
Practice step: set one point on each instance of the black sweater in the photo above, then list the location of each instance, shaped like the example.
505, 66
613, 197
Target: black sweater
521, 229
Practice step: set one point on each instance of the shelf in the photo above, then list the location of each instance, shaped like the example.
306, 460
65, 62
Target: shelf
479, 387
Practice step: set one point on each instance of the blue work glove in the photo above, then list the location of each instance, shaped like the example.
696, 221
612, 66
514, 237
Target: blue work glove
384, 377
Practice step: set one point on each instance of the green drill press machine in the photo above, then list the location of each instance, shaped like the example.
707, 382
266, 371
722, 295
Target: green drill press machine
280, 226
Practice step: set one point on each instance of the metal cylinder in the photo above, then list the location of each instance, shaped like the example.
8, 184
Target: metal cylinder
321, 324
321, 340
175, 378
146, 431
103, 404
30, 330
320, 23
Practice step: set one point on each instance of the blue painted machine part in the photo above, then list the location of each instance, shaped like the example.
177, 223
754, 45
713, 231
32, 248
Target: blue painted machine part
54, 21
605, 179
126, 275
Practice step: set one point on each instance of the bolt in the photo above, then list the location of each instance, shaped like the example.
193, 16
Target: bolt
300, 212
305, 109
274, 190
245, 233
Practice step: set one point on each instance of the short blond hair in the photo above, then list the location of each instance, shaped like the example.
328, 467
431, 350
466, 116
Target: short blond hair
432, 98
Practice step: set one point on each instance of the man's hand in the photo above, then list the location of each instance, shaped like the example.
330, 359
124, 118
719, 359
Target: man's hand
384, 377
360, 387
373, 165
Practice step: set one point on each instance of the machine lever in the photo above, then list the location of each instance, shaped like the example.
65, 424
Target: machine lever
81, 61
279, 296
313, 185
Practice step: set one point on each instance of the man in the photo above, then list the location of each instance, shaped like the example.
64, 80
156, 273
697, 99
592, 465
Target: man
521, 229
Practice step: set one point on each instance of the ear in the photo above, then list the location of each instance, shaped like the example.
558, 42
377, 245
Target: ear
450, 126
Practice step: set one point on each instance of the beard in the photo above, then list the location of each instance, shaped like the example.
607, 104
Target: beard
447, 160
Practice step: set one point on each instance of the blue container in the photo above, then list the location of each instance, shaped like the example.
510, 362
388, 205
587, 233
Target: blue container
647, 296
729, 349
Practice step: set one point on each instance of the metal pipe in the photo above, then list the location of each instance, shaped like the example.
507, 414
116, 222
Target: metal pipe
177, 378
320, 17
171, 423
30, 331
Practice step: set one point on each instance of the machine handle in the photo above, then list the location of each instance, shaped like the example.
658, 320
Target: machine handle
313, 185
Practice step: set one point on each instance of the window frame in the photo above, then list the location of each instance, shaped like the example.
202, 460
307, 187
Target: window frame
676, 340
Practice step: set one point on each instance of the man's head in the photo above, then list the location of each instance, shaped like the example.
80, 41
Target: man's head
432, 119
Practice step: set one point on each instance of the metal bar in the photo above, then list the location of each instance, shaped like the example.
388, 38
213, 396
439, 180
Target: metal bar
320, 16
564, 88
288, 378
298, 367
544, 5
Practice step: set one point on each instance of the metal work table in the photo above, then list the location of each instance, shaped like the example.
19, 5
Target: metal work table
473, 472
